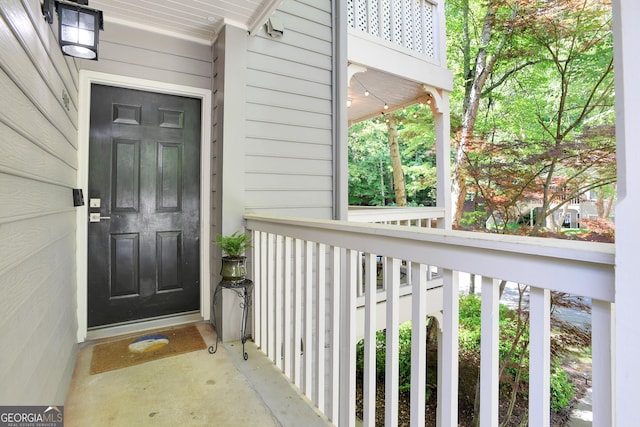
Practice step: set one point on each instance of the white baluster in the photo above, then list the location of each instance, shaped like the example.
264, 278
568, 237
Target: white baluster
489, 357
369, 388
391, 375
418, 343
539, 356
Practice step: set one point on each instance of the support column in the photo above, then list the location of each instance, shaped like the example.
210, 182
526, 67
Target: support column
626, 14
443, 158
229, 148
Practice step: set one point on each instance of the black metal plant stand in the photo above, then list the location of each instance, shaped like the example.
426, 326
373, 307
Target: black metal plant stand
243, 289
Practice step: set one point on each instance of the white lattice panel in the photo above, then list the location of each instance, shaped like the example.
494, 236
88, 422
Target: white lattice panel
409, 23
418, 32
351, 18
362, 15
385, 18
374, 17
397, 22
429, 12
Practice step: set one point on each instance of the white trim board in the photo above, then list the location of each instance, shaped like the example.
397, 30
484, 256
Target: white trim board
88, 77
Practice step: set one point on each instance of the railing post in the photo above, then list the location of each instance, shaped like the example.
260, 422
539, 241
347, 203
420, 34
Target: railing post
309, 341
369, 383
418, 343
257, 268
539, 356
321, 316
448, 383
602, 363
489, 381
287, 359
298, 313
348, 341
278, 303
334, 314
391, 375
270, 298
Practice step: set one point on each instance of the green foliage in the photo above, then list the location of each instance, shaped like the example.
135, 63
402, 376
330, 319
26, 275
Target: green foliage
404, 362
562, 389
572, 232
234, 244
370, 178
511, 329
370, 171
552, 113
475, 219
469, 333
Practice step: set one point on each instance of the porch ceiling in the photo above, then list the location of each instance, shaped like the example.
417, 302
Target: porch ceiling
198, 20
383, 88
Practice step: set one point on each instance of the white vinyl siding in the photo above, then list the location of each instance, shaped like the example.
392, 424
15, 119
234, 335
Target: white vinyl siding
289, 147
137, 53
38, 167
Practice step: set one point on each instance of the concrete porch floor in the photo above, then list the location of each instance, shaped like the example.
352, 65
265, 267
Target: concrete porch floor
191, 389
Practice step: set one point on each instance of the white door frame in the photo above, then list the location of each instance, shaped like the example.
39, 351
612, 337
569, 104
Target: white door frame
88, 77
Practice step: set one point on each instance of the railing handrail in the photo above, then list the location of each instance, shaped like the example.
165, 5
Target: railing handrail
393, 213
575, 267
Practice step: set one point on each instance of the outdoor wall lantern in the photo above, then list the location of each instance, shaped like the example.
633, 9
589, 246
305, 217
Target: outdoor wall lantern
78, 27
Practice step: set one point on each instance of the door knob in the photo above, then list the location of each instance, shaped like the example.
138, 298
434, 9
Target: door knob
95, 217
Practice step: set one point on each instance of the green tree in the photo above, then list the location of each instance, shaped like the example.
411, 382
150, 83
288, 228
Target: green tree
369, 163
578, 40
371, 173
557, 142
485, 52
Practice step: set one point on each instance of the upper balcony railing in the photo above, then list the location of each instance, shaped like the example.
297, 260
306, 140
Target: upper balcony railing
408, 23
425, 217
309, 275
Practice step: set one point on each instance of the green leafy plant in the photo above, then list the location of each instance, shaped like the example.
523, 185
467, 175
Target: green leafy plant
562, 389
473, 219
234, 244
513, 351
404, 360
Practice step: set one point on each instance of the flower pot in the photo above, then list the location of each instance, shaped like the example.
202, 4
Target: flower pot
233, 269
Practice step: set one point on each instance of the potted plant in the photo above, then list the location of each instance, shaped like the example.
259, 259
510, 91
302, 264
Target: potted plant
233, 262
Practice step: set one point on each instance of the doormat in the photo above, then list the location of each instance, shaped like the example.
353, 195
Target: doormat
144, 348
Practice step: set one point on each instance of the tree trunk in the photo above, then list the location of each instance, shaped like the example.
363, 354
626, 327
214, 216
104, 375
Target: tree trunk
473, 92
607, 210
600, 202
396, 162
604, 208
543, 219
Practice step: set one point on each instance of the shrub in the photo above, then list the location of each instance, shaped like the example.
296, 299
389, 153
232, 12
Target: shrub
404, 362
475, 219
562, 389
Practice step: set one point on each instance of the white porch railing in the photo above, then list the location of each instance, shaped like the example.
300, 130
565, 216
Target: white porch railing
408, 23
417, 217
307, 276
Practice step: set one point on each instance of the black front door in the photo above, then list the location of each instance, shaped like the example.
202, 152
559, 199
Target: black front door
144, 205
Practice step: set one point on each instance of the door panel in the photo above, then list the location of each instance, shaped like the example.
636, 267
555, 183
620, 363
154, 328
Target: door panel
144, 167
